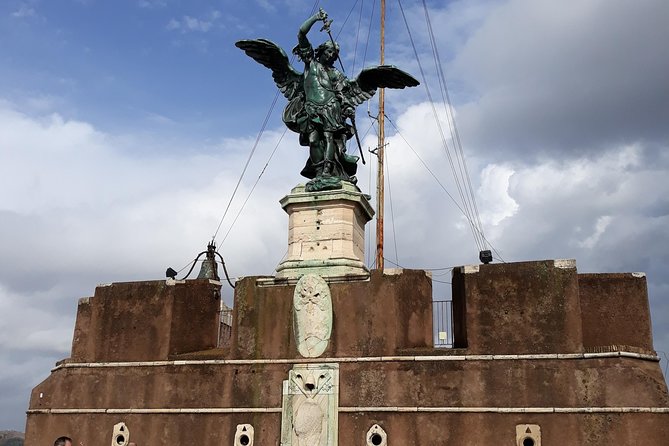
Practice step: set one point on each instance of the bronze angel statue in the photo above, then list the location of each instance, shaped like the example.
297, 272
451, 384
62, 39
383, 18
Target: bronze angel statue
322, 100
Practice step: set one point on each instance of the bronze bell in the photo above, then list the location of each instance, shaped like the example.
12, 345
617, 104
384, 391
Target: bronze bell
209, 268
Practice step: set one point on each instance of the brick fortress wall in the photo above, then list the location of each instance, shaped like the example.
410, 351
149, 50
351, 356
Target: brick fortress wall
535, 343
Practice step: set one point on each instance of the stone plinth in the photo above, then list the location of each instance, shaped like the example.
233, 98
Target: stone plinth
326, 232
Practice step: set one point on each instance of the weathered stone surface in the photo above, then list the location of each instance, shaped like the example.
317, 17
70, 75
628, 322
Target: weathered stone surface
389, 316
471, 383
612, 382
473, 429
527, 307
378, 316
614, 309
141, 321
326, 232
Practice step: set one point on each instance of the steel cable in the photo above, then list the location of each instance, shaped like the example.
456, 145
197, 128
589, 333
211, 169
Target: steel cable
468, 213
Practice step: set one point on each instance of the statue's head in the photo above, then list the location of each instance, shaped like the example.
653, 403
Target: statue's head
327, 52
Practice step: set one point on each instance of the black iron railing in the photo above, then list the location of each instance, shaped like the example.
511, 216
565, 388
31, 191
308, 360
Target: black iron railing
225, 329
442, 323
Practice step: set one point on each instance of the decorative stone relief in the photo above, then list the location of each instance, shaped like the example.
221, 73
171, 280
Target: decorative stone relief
120, 435
528, 435
312, 315
244, 435
376, 436
310, 405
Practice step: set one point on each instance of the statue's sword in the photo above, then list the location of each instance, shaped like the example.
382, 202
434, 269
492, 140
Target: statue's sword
357, 138
326, 28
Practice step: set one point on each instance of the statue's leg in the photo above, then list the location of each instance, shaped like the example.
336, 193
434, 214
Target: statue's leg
315, 151
341, 143
329, 152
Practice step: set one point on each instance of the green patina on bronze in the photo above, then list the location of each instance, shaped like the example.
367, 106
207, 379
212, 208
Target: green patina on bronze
322, 100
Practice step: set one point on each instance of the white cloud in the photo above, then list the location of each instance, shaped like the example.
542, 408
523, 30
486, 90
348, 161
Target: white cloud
88, 207
266, 5
494, 199
151, 4
24, 11
192, 24
600, 226
84, 195
292, 5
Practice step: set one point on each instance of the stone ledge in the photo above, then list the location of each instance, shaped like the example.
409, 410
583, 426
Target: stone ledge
406, 409
423, 358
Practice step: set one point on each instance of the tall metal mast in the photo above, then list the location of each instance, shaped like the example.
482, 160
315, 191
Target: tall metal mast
380, 153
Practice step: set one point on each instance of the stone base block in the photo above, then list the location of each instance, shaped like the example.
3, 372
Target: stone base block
326, 232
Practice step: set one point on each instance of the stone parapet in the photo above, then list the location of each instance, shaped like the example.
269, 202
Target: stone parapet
527, 363
517, 308
615, 311
377, 316
145, 321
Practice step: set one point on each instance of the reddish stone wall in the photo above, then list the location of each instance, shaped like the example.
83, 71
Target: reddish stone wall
144, 321
82, 341
419, 429
517, 308
610, 382
525, 308
153, 430
615, 310
379, 316
477, 429
614, 382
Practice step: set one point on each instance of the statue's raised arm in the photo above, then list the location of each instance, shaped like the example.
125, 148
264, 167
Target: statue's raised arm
322, 99
303, 43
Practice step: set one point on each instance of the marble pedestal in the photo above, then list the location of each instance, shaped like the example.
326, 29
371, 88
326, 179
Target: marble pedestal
326, 232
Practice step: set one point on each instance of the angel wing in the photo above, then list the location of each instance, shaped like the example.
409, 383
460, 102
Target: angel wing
270, 55
371, 79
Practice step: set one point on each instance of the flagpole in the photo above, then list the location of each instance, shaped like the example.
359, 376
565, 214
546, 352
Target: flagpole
380, 152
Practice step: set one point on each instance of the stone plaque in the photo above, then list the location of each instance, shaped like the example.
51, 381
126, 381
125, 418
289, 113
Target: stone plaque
312, 315
310, 405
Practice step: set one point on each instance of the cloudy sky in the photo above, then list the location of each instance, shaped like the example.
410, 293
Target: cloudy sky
125, 126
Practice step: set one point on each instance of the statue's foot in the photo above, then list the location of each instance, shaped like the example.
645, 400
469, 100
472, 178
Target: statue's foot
323, 182
327, 169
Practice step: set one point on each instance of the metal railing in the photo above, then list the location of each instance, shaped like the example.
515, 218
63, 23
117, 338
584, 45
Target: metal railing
442, 323
225, 328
